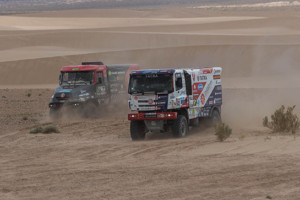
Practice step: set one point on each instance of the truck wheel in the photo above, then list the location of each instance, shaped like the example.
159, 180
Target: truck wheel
215, 118
180, 127
137, 130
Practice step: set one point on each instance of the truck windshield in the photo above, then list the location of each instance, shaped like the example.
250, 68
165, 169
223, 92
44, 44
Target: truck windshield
77, 78
140, 83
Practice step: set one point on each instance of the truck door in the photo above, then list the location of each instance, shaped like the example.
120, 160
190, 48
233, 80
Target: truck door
100, 86
181, 96
188, 85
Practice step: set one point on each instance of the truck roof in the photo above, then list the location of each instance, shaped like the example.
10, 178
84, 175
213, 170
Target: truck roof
215, 70
153, 71
123, 67
87, 67
83, 68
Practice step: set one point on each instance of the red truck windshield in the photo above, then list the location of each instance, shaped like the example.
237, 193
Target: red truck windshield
140, 83
77, 78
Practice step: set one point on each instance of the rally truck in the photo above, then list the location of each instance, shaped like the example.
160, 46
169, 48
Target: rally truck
173, 99
91, 84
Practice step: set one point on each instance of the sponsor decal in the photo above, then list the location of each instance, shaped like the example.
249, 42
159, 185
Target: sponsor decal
62, 95
182, 100
65, 91
177, 102
174, 103
208, 88
201, 78
218, 100
217, 77
217, 71
211, 102
150, 101
207, 71
117, 72
218, 87
182, 92
151, 75
74, 69
218, 93
193, 75
202, 99
200, 86
136, 98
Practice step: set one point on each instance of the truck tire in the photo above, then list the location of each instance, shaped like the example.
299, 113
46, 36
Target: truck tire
137, 130
215, 118
180, 127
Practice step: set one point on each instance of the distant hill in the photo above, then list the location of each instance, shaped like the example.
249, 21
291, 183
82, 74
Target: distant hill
7, 6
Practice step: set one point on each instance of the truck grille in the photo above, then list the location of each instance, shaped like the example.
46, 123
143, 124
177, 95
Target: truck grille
150, 115
155, 102
60, 96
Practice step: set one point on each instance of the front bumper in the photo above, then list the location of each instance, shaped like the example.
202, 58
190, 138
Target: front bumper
152, 116
57, 105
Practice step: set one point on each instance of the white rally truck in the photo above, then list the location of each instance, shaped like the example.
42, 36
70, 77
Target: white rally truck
173, 99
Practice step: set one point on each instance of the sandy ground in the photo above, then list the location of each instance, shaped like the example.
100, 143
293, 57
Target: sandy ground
95, 158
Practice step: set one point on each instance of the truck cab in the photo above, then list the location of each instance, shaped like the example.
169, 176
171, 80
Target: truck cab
87, 86
173, 99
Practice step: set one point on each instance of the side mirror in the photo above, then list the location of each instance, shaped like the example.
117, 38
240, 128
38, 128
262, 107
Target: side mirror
60, 79
100, 80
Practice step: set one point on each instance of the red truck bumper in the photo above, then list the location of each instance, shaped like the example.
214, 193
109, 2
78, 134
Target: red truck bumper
152, 116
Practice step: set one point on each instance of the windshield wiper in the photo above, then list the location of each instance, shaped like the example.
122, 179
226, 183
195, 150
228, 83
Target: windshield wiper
163, 92
149, 92
137, 92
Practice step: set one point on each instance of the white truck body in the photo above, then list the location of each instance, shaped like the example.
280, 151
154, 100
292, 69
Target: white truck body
154, 94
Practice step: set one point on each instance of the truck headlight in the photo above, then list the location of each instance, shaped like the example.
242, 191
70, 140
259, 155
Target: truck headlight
133, 115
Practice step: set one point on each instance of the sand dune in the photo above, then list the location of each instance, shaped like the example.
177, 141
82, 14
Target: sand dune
256, 5
34, 23
244, 63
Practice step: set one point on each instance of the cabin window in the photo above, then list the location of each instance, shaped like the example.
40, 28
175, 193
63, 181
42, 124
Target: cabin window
178, 81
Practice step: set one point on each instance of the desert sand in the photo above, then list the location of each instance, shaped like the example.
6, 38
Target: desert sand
96, 159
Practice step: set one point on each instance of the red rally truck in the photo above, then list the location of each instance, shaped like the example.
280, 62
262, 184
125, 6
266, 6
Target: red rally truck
89, 85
